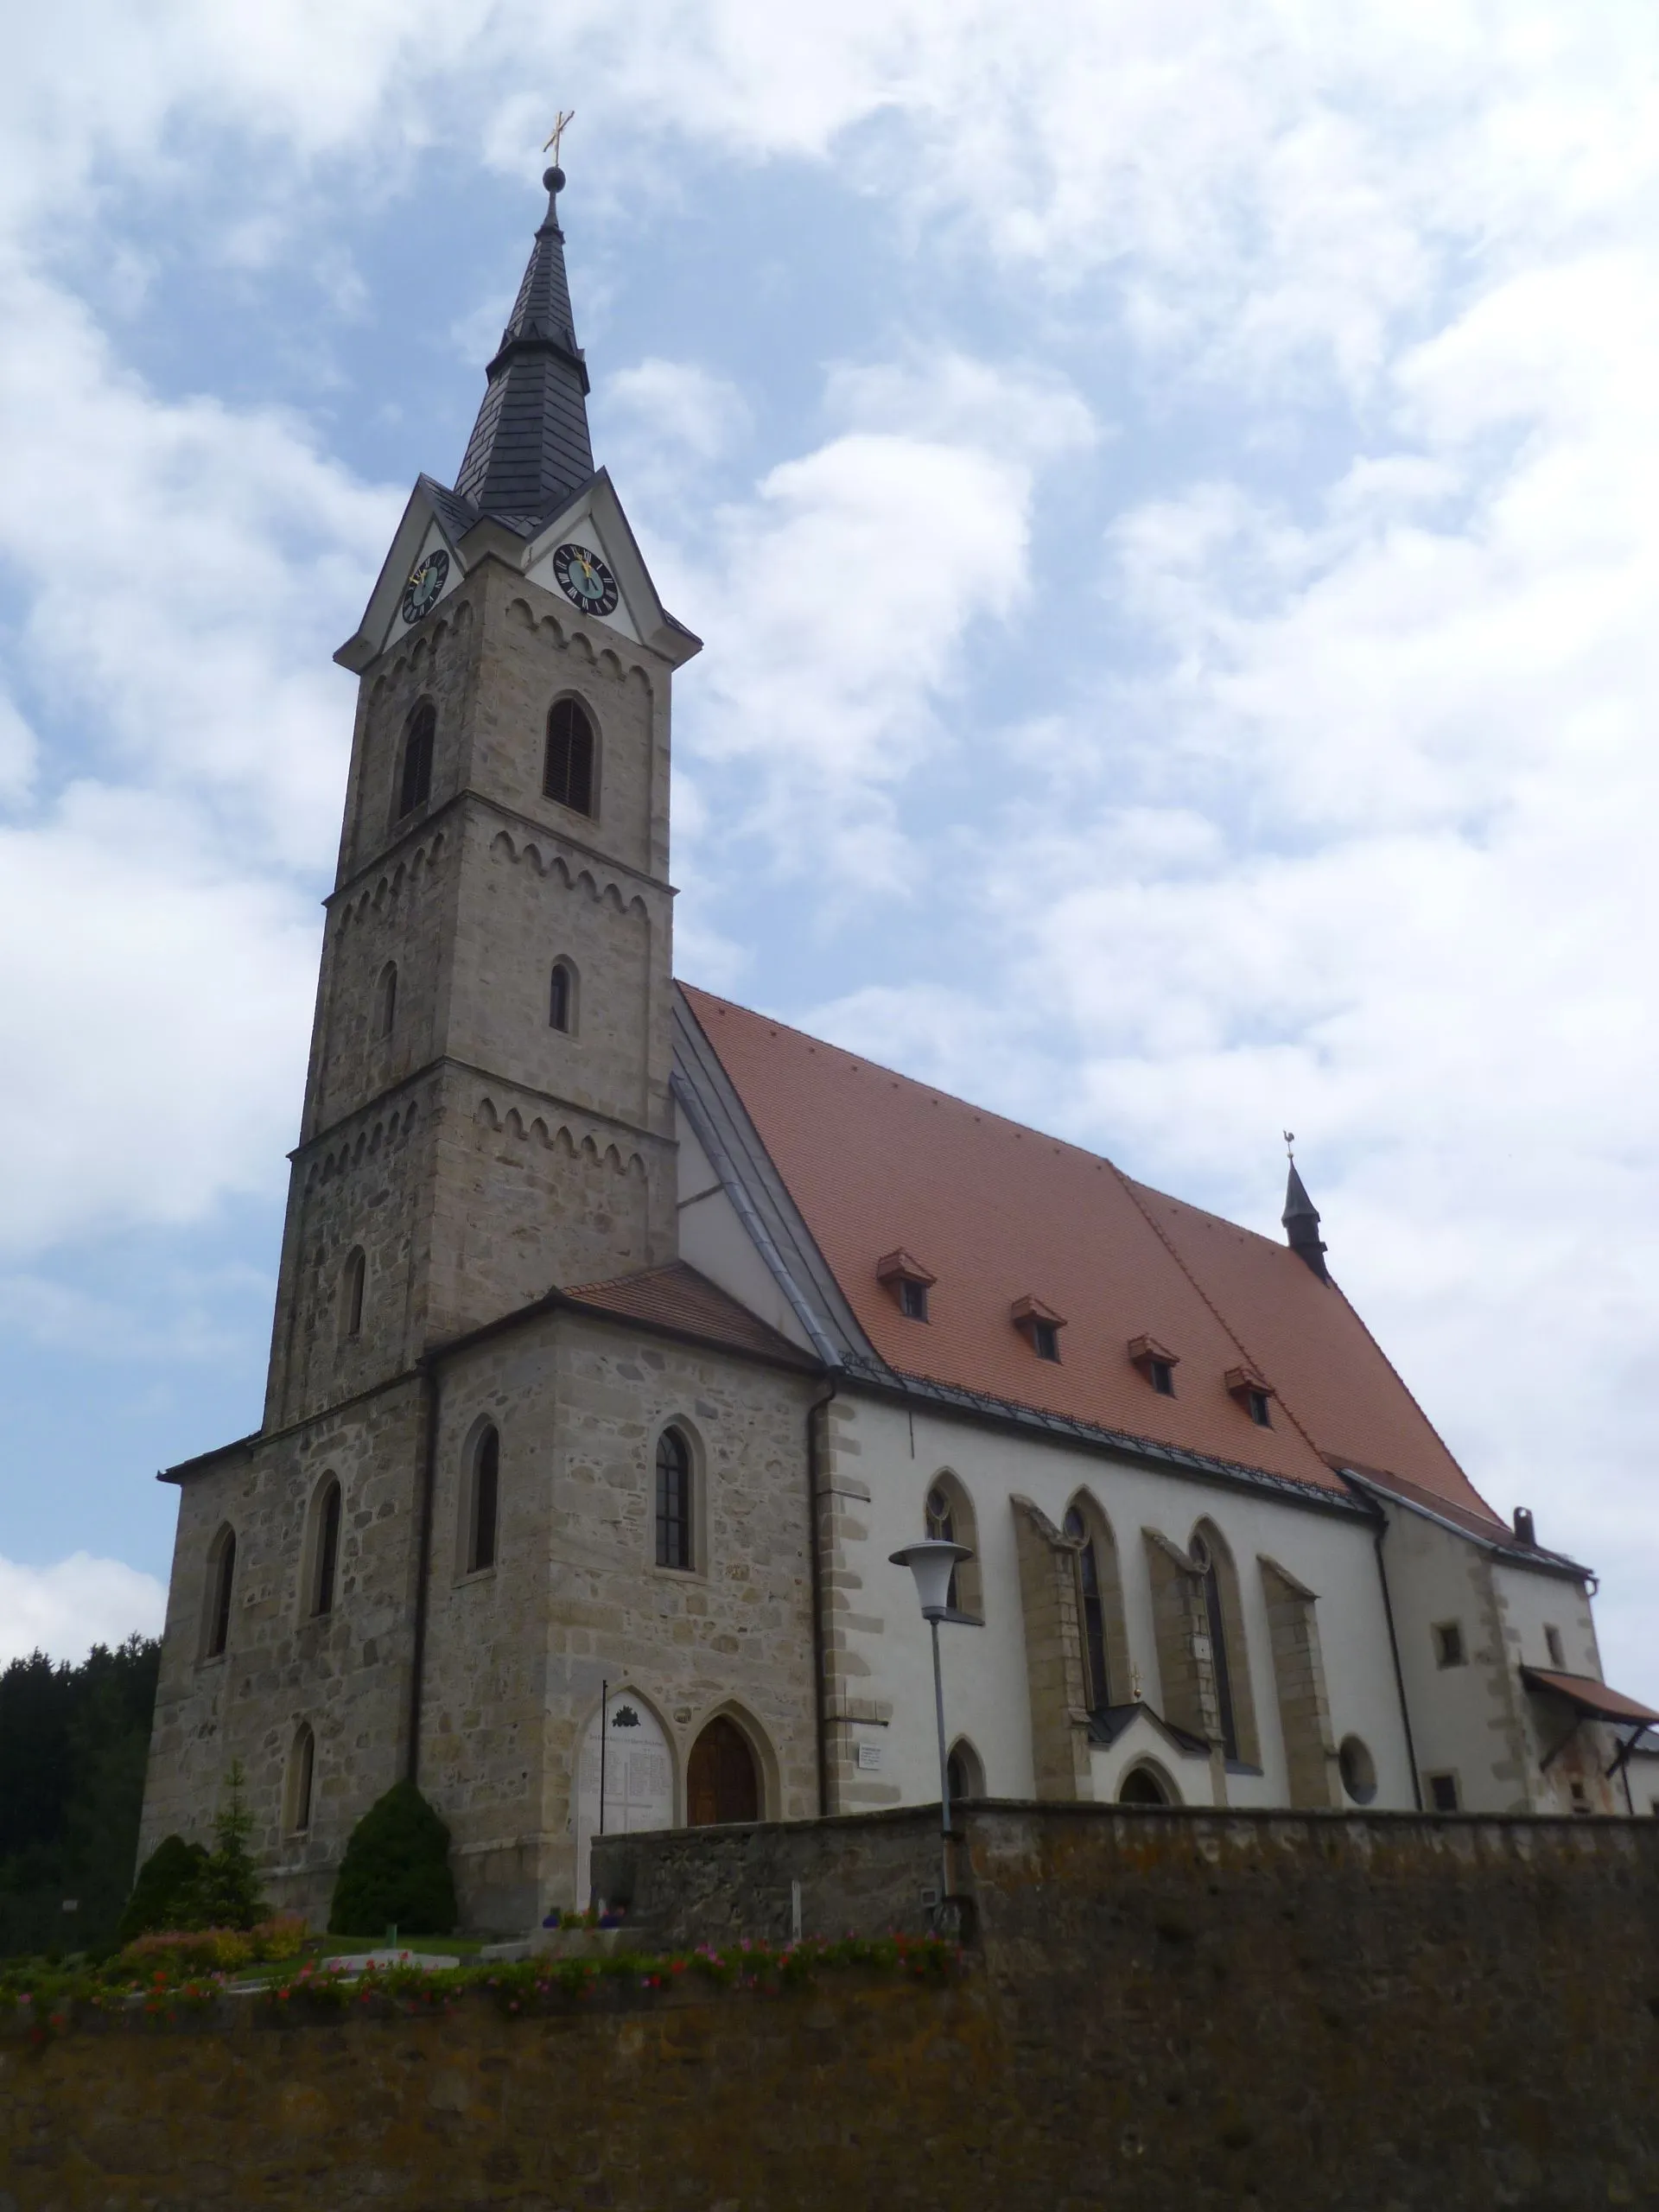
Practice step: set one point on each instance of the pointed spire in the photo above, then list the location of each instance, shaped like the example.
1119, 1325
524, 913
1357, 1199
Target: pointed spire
529, 447
1301, 1221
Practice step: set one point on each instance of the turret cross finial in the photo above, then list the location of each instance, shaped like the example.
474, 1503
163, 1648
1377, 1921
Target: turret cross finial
564, 119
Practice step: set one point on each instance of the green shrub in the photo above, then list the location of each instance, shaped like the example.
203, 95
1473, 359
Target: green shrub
161, 1896
396, 1871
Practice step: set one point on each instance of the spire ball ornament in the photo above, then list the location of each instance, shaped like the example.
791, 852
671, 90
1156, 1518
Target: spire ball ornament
553, 179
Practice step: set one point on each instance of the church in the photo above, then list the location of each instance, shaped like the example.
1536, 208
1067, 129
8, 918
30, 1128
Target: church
623, 1334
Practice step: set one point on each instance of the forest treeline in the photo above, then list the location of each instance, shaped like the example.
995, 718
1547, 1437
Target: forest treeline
73, 1744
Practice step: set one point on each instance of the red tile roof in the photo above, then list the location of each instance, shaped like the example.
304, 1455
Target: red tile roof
1589, 1695
873, 1160
678, 1297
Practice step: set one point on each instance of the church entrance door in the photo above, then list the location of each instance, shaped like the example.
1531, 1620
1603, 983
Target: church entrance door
722, 1782
639, 1778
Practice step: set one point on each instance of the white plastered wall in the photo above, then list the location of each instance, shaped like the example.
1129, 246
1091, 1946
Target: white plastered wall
985, 1687
714, 1241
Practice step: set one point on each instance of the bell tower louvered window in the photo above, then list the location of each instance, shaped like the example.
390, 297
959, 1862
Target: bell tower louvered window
568, 778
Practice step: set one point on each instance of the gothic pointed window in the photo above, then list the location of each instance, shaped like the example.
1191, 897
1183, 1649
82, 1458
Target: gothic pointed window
1223, 1627
1093, 1611
302, 1771
221, 1579
673, 1500
948, 1514
484, 1504
568, 778
415, 770
562, 999
325, 1558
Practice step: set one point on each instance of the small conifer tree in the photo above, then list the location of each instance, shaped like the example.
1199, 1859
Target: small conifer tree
396, 1871
226, 1892
163, 1895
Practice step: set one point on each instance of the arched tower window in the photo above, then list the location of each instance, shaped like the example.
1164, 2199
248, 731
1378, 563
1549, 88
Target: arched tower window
415, 771
673, 1500
1224, 1623
221, 1578
484, 1504
568, 778
351, 1294
387, 998
301, 1768
1100, 1606
562, 998
949, 1513
325, 1547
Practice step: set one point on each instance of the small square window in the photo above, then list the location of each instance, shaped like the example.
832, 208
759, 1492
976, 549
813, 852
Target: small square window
1448, 1644
1161, 1375
1046, 1339
1261, 1407
912, 1299
1553, 1644
1442, 1792
1580, 1796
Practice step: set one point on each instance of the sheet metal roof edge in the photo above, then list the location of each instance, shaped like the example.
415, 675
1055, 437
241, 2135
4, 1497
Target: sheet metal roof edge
1513, 1553
875, 1375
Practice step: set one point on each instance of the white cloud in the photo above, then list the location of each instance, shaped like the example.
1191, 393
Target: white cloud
65, 1609
678, 406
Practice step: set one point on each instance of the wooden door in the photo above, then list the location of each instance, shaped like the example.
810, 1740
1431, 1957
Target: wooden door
720, 1781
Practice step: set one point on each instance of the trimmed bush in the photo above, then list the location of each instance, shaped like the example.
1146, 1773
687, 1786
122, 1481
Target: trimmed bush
163, 1893
396, 1871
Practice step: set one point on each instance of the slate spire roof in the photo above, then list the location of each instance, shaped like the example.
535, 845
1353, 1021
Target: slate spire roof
1301, 1222
529, 450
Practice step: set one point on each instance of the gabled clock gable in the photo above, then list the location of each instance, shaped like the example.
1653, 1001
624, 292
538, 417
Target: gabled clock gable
420, 535
594, 520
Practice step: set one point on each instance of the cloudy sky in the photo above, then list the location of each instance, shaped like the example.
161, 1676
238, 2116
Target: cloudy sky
1170, 492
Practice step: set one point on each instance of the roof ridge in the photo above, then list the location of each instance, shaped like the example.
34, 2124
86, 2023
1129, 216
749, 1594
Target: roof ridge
1146, 1216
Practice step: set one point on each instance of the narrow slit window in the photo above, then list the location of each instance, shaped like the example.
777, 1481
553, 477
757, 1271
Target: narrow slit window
562, 999
388, 998
415, 777
568, 778
305, 1758
673, 1500
224, 1573
1557, 1652
487, 1502
351, 1295
327, 1551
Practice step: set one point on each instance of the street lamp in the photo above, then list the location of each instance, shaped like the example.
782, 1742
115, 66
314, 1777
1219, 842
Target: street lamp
933, 1561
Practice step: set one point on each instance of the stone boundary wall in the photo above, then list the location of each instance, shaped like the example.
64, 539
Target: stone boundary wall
1224, 2012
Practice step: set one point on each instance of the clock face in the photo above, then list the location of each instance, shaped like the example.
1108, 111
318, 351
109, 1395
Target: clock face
585, 578
422, 590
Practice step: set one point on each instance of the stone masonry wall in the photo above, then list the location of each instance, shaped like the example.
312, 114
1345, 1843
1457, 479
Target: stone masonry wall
345, 1675
1165, 2008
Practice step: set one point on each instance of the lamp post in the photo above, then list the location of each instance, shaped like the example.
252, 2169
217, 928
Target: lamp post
932, 1562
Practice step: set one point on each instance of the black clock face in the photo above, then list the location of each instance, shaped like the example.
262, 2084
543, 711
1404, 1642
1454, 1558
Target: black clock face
585, 578
422, 590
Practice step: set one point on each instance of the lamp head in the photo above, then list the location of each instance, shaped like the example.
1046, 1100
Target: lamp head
932, 1562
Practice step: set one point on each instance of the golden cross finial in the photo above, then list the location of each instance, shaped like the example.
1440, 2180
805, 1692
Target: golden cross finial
564, 119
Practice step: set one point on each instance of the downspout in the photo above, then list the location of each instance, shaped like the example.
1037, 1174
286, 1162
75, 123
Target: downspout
814, 1461
423, 1560
1399, 1673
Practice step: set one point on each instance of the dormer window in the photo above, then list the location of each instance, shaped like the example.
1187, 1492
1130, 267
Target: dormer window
1040, 1324
1253, 1392
909, 1282
1156, 1361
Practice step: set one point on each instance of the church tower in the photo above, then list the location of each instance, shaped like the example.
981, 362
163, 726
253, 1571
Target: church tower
486, 1112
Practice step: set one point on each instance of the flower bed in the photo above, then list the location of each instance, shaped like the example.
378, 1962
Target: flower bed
171, 1987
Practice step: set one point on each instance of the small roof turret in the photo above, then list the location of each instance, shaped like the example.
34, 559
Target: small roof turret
1301, 1222
530, 450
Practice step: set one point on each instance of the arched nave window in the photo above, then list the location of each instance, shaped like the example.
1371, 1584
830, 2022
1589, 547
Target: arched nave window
1100, 1606
1224, 1620
674, 1500
567, 775
949, 1513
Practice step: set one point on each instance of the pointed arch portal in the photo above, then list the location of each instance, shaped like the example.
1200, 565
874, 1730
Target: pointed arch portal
638, 1771
722, 1781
